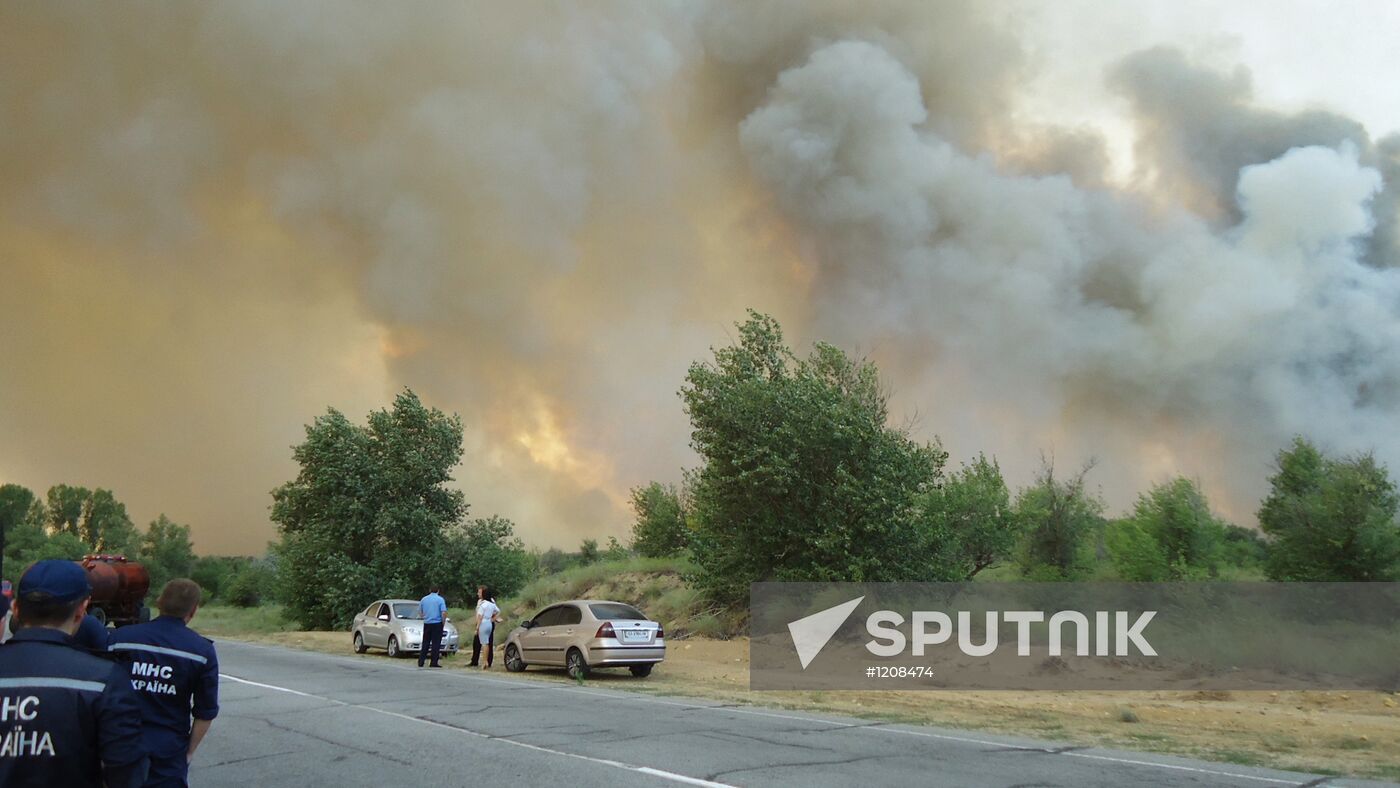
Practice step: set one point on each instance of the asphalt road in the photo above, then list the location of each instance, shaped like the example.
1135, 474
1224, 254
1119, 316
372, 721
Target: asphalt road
300, 718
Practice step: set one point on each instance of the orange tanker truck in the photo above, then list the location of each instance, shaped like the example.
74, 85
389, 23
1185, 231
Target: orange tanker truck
119, 589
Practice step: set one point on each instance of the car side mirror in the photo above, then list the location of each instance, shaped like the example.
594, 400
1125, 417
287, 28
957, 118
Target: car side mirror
527, 623
383, 616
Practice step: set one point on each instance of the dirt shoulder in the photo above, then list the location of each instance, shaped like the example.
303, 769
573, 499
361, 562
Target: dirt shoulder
1355, 733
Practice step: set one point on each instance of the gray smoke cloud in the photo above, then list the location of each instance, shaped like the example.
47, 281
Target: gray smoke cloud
218, 219
1198, 131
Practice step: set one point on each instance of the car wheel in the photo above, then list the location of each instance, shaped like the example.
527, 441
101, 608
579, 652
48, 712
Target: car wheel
575, 664
99, 614
393, 647
514, 663
360, 646
641, 671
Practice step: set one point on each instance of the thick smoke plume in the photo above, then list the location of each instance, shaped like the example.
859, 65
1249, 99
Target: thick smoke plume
216, 220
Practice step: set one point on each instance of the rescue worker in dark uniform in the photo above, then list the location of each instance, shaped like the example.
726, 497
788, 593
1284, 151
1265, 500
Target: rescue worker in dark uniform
67, 717
175, 673
91, 634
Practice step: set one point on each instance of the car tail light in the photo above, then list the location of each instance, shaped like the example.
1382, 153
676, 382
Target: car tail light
606, 631
660, 632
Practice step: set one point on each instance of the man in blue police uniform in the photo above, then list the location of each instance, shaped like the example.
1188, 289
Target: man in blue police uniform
434, 609
175, 673
67, 717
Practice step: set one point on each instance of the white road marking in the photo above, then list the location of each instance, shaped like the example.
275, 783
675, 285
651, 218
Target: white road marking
1176, 766
279, 689
661, 773
641, 698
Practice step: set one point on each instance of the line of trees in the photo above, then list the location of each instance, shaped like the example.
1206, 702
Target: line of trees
803, 479
70, 522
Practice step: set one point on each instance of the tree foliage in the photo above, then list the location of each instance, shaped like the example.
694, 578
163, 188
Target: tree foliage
1171, 535
1330, 519
484, 551
16, 504
551, 561
167, 552
369, 512
802, 479
95, 517
85, 521
588, 552
971, 523
251, 584
1059, 518
660, 528
27, 535
215, 573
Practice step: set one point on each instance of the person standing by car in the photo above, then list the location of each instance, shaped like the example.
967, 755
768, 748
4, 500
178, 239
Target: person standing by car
476, 634
67, 717
434, 610
487, 614
175, 673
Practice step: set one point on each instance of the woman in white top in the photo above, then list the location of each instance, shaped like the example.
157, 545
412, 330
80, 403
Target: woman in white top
487, 614
476, 634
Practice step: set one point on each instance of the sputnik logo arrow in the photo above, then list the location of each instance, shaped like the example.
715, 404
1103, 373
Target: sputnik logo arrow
810, 634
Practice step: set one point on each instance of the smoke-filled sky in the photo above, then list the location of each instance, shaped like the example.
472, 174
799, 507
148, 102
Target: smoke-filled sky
1159, 234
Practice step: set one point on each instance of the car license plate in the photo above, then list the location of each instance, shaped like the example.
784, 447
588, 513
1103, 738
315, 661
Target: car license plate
636, 635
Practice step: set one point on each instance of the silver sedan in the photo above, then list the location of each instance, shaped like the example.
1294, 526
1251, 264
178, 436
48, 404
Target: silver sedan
396, 625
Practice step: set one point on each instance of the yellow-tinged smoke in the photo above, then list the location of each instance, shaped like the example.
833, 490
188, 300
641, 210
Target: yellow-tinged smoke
216, 220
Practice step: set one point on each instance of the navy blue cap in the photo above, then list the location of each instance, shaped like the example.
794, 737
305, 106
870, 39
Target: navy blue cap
61, 581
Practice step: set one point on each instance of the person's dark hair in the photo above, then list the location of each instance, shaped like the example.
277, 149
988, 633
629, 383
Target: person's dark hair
179, 598
433, 589
42, 610
489, 594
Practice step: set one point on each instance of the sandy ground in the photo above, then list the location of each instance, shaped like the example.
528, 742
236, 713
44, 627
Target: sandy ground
1351, 733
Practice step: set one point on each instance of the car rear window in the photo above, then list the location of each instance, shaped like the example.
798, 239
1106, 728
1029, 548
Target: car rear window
408, 610
616, 611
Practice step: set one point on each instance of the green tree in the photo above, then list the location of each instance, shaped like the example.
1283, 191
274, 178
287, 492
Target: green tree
1186, 540
16, 503
95, 517
660, 529
616, 550
23, 517
65, 508
802, 478
369, 511
971, 522
1136, 554
251, 584
106, 527
551, 561
167, 552
484, 551
1244, 547
1058, 518
1330, 519
213, 573
588, 551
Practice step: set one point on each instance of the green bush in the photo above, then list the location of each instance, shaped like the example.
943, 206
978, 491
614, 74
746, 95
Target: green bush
250, 587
